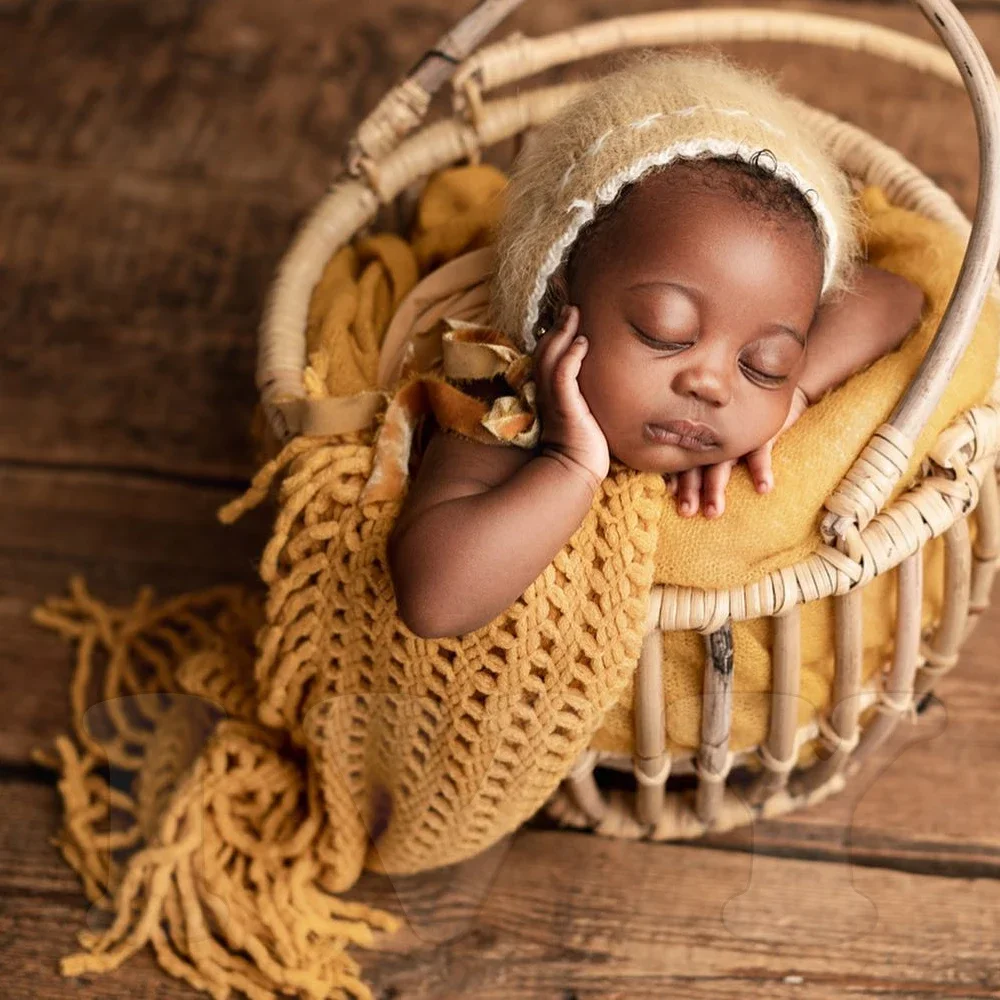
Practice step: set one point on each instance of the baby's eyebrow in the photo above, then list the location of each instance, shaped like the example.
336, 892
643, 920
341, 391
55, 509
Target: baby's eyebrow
693, 293
782, 328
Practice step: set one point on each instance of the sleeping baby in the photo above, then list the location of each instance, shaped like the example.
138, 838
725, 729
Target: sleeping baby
684, 261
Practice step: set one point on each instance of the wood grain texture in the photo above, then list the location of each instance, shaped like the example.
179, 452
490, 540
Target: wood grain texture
549, 915
119, 532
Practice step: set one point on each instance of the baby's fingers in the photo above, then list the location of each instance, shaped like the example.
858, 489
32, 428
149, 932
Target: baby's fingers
759, 463
689, 491
713, 489
551, 345
564, 384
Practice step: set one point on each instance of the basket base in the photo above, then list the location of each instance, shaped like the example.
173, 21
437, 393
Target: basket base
679, 821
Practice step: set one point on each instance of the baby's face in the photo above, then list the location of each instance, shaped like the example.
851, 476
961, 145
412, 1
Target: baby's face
697, 309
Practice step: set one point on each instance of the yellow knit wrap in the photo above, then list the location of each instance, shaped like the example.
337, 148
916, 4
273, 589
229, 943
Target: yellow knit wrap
294, 718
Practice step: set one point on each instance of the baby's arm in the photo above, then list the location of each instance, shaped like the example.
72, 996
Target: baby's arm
851, 332
481, 521
478, 525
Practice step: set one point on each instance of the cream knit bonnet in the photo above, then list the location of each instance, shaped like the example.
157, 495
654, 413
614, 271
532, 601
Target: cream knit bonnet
659, 109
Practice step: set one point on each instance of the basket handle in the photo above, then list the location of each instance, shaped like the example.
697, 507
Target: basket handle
866, 488
404, 107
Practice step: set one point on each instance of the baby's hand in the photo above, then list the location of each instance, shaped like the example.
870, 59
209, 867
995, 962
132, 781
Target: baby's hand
704, 485
707, 484
569, 429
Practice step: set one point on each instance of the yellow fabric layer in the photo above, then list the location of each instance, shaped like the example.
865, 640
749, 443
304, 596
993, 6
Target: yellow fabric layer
363, 284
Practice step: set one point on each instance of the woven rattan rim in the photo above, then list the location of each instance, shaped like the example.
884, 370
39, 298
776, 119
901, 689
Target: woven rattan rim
518, 57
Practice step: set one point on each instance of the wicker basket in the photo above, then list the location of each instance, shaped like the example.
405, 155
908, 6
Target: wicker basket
862, 535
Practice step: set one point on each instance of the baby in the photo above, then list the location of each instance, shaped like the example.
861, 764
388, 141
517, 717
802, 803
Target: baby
685, 296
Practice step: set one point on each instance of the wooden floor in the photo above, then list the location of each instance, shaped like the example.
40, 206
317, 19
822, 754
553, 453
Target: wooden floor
154, 160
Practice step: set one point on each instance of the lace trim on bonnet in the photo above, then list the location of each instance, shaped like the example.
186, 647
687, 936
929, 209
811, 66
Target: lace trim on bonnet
582, 210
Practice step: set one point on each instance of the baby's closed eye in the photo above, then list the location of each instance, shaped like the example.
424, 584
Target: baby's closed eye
773, 358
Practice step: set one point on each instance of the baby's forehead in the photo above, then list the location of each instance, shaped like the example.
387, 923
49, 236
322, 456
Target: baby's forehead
670, 223
707, 189
693, 229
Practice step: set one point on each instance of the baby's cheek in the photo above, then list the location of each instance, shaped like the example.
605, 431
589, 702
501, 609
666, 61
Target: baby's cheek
761, 422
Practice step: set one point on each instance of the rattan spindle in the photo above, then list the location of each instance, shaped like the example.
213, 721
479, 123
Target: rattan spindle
650, 763
941, 655
582, 786
985, 551
404, 107
778, 754
714, 756
895, 700
840, 733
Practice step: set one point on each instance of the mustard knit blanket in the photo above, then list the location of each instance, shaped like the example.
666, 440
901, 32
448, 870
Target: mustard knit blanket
309, 735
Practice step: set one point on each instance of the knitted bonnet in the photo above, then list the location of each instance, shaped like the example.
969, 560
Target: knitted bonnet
659, 109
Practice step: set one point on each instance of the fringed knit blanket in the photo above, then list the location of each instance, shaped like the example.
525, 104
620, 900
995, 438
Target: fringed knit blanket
248, 837
253, 753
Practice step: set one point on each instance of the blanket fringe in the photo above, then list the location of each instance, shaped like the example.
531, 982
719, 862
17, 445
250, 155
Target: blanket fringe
198, 828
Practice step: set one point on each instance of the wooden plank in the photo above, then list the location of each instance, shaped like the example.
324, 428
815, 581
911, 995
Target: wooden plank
245, 53
126, 527
237, 94
120, 532
153, 162
42, 910
126, 349
564, 914
240, 91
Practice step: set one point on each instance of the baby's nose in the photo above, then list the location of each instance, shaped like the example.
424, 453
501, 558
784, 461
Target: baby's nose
704, 382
